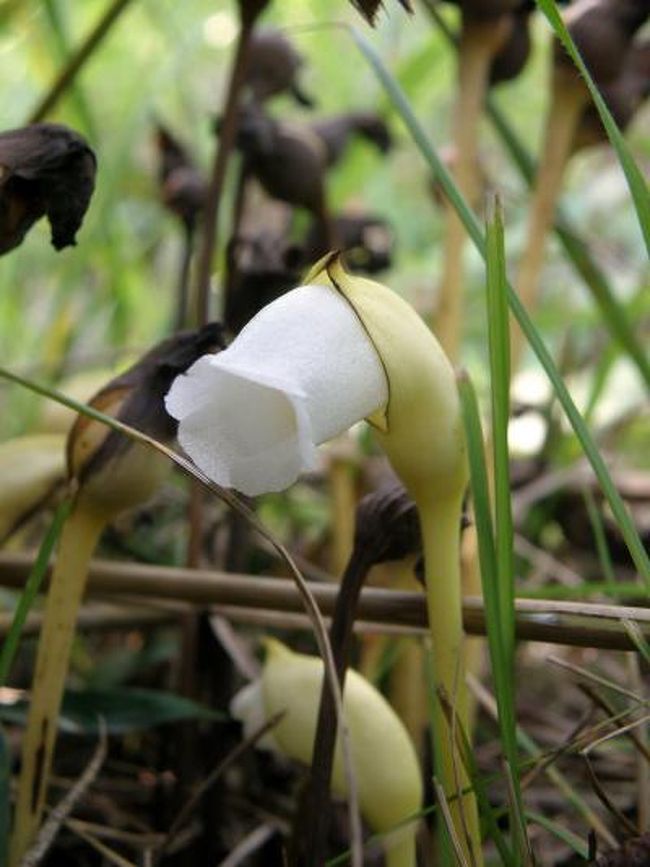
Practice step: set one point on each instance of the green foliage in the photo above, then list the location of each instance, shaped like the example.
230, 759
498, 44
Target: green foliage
123, 710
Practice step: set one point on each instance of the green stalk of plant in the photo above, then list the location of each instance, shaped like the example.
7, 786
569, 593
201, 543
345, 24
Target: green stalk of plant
602, 548
489, 815
636, 182
563, 834
495, 589
402, 106
32, 587
614, 315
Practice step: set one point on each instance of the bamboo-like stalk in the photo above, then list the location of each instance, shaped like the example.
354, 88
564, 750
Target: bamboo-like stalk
576, 624
80, 535
441, 519
479, 42
568, 100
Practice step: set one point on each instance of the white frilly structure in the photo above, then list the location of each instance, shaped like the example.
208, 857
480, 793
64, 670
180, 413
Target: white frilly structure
302, 371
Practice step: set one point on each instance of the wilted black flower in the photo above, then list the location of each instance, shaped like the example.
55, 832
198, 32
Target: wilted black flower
369, 8
335, 132
367, 241
45, 170
274, 66
183, 188
139, 393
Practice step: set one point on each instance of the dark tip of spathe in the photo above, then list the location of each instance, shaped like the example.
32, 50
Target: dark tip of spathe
144, 386
47, 170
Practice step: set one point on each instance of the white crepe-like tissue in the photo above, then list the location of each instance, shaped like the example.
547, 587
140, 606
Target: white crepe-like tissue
302, 371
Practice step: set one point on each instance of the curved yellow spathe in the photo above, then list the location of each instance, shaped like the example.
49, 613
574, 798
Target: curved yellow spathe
384, 758
420, 429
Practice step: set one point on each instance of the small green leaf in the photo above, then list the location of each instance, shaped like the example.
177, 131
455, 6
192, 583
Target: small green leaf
123, 710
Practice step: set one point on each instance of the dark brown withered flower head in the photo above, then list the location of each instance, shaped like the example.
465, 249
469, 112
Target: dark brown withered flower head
136, 396
274, 66
367, 241
182, 187
387, 526
337, 131
624, 97
48, 170
602, 31
288, 159
512, 56
369, 8
260, 268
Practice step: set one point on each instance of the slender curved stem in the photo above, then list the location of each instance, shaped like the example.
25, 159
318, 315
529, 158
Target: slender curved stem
312, 819
568, 100
76, 61
478, 44
441, 521
224, 147
78, 540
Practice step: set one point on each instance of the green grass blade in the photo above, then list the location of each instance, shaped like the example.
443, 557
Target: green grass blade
637, 637
403, 107
32, 586
499, 349
501, 646
635, 179
602, 548
564, 834
613, 312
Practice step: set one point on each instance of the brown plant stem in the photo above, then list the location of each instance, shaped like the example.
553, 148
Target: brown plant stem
76, 61
80, 535
479, 42
312, 819
183, 280
223, 149
568, 100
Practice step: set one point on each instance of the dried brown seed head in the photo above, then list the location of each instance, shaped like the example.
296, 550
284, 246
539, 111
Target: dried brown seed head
336, 132
274, 66
48, 170
183, 188
369, 8
602, 31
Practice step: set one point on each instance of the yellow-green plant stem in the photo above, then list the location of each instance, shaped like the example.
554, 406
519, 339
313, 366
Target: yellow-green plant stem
478, 44
342, 508
569, 97
440, 520
78, 540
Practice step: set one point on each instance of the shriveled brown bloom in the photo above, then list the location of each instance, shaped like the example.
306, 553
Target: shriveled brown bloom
369, 8
48, 170
183, 188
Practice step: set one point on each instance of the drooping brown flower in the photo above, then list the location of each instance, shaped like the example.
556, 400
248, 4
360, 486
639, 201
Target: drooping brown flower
274, 66
183, 188
624, 97
369, 8
48, 170
336, 132
602, 31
